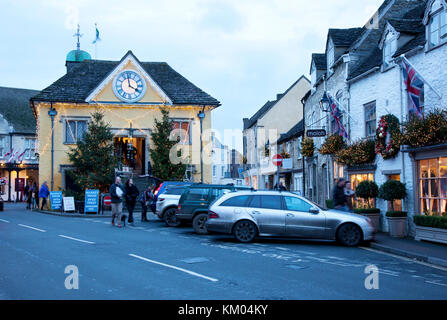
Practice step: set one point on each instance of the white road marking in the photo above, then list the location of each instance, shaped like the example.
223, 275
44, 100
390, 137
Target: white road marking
405, 259
75, 239
280, 248
6, 221
174, 267
29, 227
439, 284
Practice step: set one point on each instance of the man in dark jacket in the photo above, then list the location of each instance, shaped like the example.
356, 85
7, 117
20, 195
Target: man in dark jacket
339, 196
117, 192
131, 198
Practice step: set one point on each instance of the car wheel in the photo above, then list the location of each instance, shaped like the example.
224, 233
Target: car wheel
170, 218
245, 231
349, 235
199, 223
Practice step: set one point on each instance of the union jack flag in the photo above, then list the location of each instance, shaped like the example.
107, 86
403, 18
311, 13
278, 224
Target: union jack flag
415, 86
336, 113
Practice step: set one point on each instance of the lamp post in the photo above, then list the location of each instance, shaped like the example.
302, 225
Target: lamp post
52, 113
201, 116
11, 130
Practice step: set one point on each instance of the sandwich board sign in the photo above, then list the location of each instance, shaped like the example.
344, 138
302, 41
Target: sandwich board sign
91, 201
56, 200
69, 204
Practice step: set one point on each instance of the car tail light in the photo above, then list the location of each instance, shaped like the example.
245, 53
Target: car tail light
212, 215
161, 199
158, 189
179, 207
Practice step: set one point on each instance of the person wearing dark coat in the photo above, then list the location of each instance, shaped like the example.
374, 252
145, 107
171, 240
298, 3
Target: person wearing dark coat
338, 195
131, 198
145, 200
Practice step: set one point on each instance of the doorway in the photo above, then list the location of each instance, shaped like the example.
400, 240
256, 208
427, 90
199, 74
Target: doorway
131, 153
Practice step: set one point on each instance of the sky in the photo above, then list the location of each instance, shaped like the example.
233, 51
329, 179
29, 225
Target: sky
242, 52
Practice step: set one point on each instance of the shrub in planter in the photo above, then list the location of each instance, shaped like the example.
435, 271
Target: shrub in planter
307, 147
397, 220
367, 190
396, 214
367, 210
431, 221
332, 144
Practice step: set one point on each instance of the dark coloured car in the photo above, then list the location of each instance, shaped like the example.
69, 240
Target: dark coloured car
162, 187
194, 203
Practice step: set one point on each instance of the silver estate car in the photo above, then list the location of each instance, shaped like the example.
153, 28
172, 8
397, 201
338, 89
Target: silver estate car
248, 214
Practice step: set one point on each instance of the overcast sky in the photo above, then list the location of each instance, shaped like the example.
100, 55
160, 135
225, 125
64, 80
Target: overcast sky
242, 52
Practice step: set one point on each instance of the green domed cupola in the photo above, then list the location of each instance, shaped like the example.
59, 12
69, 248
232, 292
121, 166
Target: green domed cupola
77, 56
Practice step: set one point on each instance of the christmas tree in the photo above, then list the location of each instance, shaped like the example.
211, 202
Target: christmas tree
93, 156
162, 166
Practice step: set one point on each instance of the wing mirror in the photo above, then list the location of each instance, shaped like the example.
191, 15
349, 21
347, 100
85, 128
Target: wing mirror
314, 211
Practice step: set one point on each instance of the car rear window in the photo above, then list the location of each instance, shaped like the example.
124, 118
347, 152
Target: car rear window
255, 202
238, 201
197, 194
271, 202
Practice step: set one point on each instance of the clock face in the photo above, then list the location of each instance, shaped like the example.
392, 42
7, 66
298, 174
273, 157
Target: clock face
129, 86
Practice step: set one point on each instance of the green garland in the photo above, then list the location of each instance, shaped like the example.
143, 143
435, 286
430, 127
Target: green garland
307, 147
332, 144
388, 124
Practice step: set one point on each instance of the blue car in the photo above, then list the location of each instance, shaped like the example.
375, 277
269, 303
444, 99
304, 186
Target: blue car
162, 187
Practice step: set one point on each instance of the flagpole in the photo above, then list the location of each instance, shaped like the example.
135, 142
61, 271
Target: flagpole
420, 76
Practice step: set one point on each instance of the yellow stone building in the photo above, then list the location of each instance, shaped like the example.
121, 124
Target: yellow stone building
131, 94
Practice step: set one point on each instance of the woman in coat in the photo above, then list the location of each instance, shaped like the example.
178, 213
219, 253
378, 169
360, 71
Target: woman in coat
131, 198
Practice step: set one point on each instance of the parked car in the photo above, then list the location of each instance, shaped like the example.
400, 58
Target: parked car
168, 201
194, 202
247, 215
162, 187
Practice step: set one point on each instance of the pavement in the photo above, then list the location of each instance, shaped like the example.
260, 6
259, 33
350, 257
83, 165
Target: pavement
151, 261
430, 252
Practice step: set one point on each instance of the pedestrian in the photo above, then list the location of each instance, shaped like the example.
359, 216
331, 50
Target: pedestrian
117, 193
349, 196
29, 195
35, 195
131, 197
43, 194
339, 196
145, 199
26, 193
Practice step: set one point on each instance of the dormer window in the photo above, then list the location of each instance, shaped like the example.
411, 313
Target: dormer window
330, 54
437, 24
389, 48
313, 74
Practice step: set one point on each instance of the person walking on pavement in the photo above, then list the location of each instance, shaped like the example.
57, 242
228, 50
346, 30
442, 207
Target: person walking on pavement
131, 198
29, 195
35, 195
339, 196
349, 196
26, 193
145, 199
43, 194
117, 192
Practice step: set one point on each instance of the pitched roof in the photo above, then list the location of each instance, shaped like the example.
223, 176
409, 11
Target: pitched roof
15, 108
320, 60
248, 123
411, 26
82, 79
344, 37
294, 132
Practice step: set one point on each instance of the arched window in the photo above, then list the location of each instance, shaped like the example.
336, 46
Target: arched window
437, 24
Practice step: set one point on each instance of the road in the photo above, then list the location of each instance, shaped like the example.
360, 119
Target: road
151, 261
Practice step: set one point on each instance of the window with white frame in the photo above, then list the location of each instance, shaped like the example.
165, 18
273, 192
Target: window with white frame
30, 148
437, 24
370, 119
389, 48
74, 130
182, 129
3, 146
330, 55
214, 171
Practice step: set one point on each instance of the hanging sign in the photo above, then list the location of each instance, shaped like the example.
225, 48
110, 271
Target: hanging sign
315, 133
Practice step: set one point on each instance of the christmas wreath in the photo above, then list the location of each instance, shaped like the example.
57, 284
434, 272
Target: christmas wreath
388, 125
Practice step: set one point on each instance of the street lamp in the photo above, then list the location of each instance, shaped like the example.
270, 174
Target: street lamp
325, 103
201, 116
52, 113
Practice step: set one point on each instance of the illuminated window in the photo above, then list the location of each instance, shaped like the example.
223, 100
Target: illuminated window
181, 129
433, 186
355, 179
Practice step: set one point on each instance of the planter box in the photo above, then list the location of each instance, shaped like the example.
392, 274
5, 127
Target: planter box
397, 226
431, 234
375, 220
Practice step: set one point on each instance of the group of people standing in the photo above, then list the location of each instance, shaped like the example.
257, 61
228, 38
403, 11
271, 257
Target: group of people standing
343, 195
130, 194
32, 194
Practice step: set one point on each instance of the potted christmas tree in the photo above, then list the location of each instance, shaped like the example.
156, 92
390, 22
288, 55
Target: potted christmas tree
368, 190
397, 220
